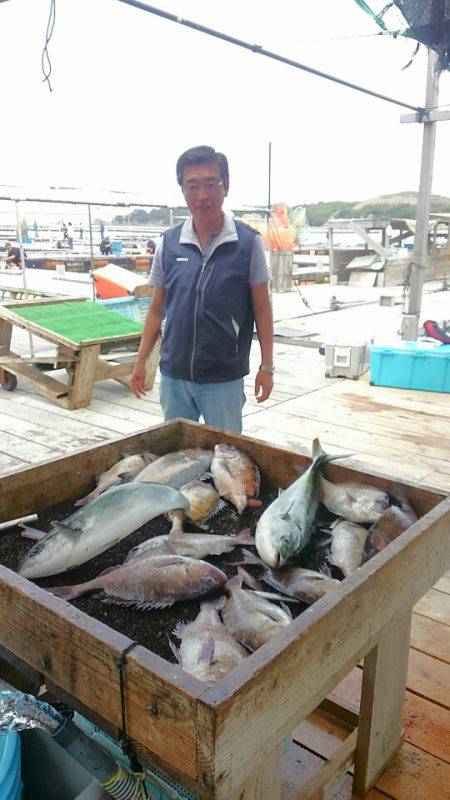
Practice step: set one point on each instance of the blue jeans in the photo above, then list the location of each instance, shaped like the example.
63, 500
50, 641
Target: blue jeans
220, 404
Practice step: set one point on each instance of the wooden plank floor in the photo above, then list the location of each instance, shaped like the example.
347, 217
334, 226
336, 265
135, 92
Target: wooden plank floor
403, 433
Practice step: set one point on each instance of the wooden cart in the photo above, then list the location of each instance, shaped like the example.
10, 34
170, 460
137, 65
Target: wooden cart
223, 741
80, 356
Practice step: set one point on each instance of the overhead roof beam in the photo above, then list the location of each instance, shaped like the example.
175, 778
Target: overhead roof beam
256, 48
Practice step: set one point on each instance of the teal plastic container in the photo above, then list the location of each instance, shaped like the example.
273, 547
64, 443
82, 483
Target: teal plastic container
116, 247
11, 787
135, 308
411, 365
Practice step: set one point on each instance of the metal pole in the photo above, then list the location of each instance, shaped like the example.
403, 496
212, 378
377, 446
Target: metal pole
269, 200
331, 253
410, 321
22, 264
92, 251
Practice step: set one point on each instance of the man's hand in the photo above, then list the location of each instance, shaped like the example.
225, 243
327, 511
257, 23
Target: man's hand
263, 385
137, 380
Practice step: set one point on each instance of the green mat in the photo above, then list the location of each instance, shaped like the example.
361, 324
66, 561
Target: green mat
79, 321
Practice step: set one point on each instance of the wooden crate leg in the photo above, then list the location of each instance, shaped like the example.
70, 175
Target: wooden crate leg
81, 380
5, 334
152, 364
264, 783
382, 699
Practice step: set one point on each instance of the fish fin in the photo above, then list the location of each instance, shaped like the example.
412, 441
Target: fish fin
207, 650
286, 609
317, 450
216, 604
31, 533
220, 505
249, 580
85, 500
67, 592
253, 502
324, 568
108, 569
179, 629
249, 558
279, 598
175, 651
97, 478
145, 605
125, 476
234, 582
280, 490
286, 513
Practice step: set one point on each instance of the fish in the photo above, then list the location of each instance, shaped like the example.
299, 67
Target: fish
150, 583
177, 468
98, 526
252, 619
207, 650
391, 524
125, 469
195, 545
347, 546
306, 585
236, 477
355, 502
286, 526
204, 503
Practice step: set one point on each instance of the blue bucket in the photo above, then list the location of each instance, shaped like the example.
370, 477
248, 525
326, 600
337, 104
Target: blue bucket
11, 787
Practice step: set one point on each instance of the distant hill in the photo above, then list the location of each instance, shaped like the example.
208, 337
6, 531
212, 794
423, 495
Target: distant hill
157, 216
401, 205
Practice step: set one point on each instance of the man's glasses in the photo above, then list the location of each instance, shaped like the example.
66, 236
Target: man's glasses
210, 187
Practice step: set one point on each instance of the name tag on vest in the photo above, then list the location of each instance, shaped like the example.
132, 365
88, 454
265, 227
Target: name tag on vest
182, 259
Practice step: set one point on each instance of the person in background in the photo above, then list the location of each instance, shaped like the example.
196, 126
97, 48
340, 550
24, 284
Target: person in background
81, 230
211, 284
36, 230
105, 246
12, 255
151, 247
64, 231
102, 231
70, 235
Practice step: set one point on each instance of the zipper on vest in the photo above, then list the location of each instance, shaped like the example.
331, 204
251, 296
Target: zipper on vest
194, 343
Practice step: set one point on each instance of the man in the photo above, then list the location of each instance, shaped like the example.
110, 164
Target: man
13, 255
211, 283
70, 235
105, 246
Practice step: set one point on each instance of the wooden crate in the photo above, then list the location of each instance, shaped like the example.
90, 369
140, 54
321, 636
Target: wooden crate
223, 741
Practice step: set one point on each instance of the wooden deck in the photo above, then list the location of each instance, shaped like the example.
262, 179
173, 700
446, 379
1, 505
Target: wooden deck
403, 433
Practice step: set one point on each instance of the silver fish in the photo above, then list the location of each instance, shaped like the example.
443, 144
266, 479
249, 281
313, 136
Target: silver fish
286, 525
253, 620
304, 584
195, 545
23, 712
98, 526
125, 469
353, 501
150, 583
347, 546
207, 650
204, 503
236, 477
177, 468
394, 521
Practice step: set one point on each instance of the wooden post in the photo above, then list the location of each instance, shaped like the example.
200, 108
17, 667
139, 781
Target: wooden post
331, 252
264, 783
381, 709
81, 380
5, 334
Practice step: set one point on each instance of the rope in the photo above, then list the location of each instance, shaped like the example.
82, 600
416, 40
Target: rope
45, 58
124, 741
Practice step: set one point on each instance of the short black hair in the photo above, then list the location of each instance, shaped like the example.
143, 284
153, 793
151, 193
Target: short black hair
202, 155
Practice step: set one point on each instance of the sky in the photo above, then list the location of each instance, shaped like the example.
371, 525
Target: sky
132, 91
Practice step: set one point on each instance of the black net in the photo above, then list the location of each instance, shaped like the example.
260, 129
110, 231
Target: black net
429, 23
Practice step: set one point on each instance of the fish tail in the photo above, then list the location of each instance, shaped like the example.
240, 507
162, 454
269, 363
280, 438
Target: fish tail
321, 457
68, 592
245, 537
249, 558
